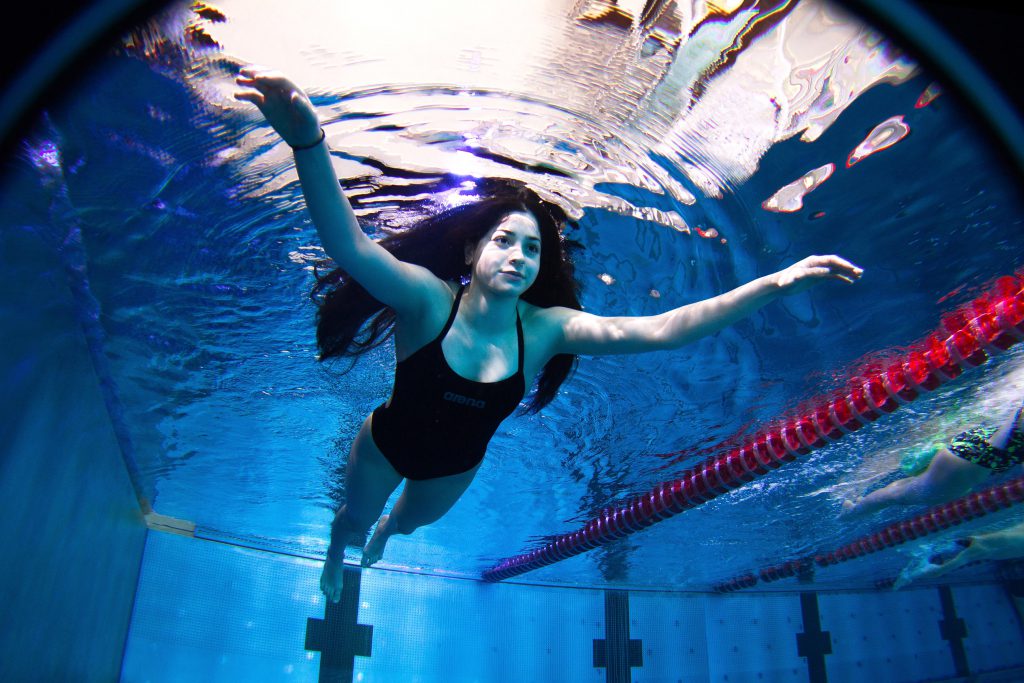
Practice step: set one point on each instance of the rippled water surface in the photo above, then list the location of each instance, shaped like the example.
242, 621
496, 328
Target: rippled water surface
699, 145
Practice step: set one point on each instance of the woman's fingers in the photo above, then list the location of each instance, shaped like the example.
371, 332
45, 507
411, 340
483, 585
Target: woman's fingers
252, 96
256, 88
261, 79
803, 274
832, 266
841, 265
253, 70
282, 103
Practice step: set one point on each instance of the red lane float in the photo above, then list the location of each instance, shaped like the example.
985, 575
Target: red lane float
968, 336
938, 518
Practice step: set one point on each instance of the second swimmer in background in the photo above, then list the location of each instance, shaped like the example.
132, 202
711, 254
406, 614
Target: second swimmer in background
954, 468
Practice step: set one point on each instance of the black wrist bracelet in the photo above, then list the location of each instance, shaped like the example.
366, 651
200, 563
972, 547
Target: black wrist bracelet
323, 136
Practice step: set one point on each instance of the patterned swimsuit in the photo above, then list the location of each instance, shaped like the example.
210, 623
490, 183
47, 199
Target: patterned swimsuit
973, 446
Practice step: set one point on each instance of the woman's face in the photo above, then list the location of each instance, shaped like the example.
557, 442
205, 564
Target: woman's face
507, 260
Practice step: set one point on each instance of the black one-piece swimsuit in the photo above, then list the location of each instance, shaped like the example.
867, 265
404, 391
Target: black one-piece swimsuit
438, 423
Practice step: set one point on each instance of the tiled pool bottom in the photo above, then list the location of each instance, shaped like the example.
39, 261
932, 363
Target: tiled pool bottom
207, 611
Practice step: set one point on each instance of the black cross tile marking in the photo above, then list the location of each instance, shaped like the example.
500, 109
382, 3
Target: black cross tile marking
337, 637
616, 652
813, 643
953, 629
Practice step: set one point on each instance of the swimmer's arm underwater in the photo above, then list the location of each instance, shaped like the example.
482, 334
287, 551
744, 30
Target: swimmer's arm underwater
587, 334
1006, 544
403, 286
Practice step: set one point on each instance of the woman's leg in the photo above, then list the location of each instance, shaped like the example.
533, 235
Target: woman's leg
422, 502
948, 476
369, 482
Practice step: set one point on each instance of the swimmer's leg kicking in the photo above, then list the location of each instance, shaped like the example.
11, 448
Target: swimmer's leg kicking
369, 482
422, 502
947, 476
967, 461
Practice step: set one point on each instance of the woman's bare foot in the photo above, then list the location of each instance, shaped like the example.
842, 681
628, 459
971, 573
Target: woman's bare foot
850, 509
333, 577
374, 548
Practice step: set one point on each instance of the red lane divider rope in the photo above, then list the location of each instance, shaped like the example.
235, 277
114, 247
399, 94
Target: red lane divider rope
938, 518
990, 324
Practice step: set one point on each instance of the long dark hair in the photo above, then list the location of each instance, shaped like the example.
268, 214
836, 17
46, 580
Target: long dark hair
350, 322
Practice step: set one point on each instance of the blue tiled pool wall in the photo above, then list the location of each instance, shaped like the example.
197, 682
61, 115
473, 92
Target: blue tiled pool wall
71, 532
214, 612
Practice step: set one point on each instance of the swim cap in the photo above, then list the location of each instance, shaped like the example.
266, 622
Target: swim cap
917, 461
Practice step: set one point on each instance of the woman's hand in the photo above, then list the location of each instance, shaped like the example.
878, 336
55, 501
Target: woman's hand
281, 102
814, 269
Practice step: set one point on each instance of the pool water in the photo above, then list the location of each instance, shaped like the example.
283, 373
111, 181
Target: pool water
157, 263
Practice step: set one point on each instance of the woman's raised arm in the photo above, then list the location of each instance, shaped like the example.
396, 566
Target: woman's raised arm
402, 286
586, 334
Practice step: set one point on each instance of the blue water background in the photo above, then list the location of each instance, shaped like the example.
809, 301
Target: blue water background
206, 325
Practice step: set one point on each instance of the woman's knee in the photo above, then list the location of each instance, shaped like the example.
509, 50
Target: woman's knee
408, 516
353, 522
423, 503
405, 524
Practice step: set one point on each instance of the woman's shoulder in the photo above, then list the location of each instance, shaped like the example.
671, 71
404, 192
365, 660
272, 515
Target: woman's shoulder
544, 318
436, 298
443, 290
533, 311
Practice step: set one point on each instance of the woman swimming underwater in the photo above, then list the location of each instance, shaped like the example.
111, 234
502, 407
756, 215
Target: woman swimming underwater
466, 354
955, 468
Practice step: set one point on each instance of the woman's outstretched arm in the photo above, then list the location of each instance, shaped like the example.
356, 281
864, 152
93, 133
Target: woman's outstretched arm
402, 286
583, 333
1005, 544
